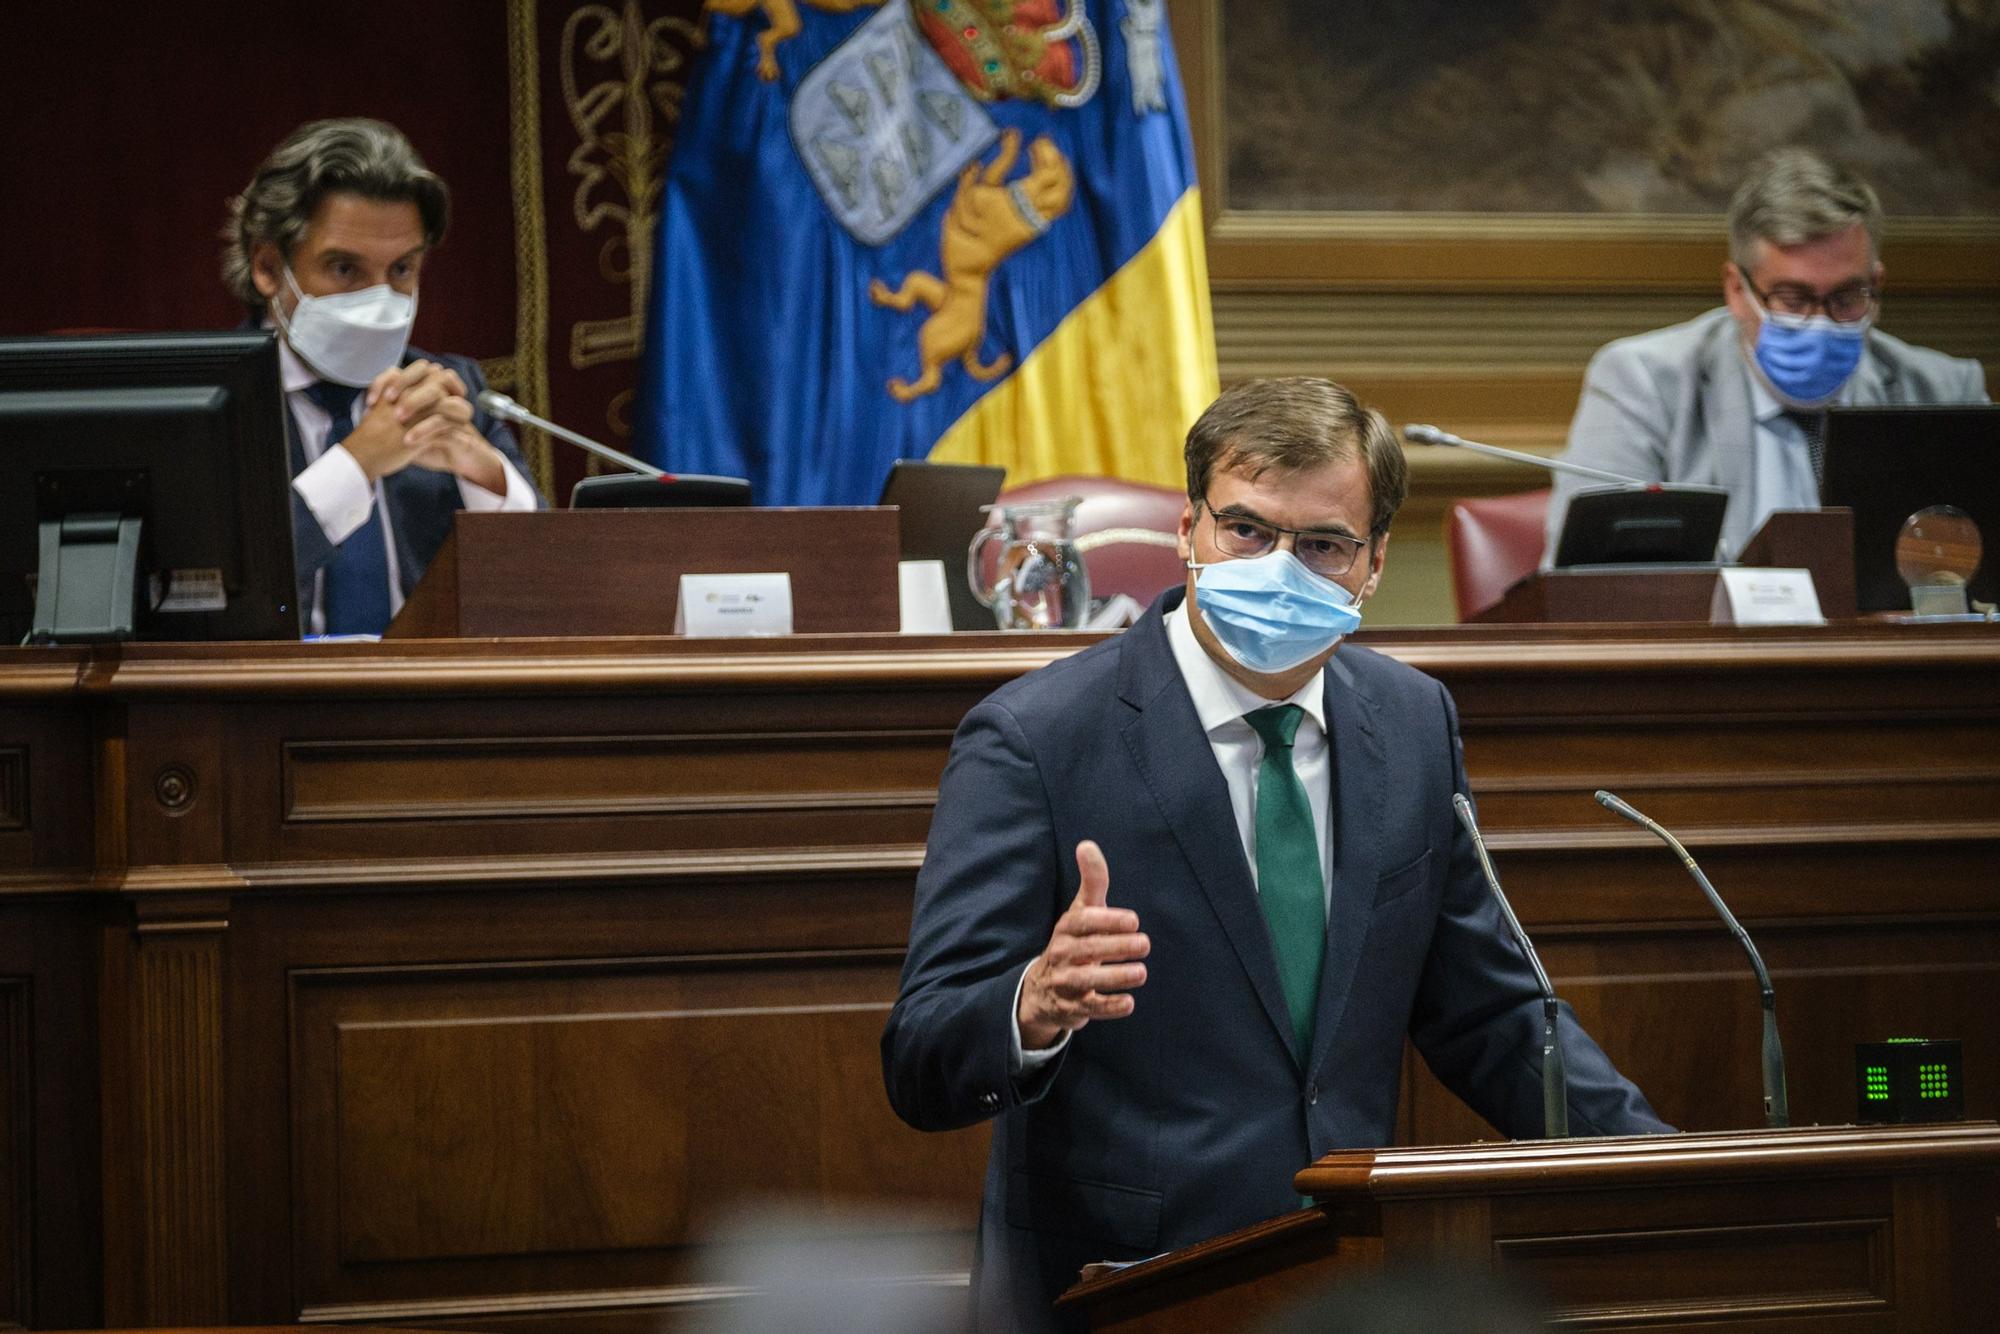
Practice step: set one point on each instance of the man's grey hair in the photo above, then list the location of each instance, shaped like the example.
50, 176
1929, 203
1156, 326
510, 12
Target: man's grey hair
1793, 196
354, 156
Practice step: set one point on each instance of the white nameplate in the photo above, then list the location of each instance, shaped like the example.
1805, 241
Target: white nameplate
921, 597
1749, 595
716, 605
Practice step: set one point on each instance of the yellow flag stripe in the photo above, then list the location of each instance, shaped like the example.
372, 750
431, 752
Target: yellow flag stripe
1114, 389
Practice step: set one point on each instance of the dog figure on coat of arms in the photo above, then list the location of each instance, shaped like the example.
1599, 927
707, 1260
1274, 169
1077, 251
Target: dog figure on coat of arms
989, 219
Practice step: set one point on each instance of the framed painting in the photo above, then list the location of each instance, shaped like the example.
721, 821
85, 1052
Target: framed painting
1571, 146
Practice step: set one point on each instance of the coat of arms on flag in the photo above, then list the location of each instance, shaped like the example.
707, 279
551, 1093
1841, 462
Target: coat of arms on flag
961, 229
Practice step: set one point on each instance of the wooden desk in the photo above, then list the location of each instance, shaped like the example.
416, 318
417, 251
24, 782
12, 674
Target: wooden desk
460, 984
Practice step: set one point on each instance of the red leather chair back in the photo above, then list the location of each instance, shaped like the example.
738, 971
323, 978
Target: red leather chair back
1492, 542
1126, 531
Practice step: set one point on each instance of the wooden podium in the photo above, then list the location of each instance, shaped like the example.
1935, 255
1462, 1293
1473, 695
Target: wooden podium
1821, 541
1889, 1227
617, 572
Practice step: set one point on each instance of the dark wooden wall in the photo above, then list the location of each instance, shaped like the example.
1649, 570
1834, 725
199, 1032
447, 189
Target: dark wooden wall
467, 984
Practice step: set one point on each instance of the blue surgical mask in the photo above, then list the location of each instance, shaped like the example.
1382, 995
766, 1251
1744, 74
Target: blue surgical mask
1805, 359
1271, 613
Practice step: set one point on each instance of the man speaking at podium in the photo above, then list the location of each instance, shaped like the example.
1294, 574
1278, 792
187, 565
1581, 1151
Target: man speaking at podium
1736, 398
325, 245
1188, 891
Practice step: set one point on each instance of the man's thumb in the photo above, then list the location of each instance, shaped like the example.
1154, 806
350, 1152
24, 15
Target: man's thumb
1096, 876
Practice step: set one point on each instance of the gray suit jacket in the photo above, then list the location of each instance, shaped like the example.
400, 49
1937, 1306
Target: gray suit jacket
1190, 1117
1673, 405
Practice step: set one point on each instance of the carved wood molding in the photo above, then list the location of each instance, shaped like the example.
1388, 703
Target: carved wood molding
643, 1304
693, 773
270, 672
970, 662
179, 1158
13, 787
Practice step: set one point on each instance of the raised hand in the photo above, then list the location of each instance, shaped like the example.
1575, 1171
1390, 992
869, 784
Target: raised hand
1091, 964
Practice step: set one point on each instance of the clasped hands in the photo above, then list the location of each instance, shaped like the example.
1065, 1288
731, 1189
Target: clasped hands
1090, 966
419, 414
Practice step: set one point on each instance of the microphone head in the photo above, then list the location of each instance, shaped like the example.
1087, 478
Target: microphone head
498, 404
1619, 806
1424, 435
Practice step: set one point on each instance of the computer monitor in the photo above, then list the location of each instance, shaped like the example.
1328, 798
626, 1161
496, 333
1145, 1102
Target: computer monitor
1888, 464
144, 489
1641, 525
941, 506
672, 490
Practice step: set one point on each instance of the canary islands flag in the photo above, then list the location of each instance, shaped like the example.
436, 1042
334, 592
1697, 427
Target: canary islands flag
963, 230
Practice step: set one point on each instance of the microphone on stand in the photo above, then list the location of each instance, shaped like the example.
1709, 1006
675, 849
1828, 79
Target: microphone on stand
1555, 1079
502, 406
1633, 521
1431, 435
651, 489
1777, 1107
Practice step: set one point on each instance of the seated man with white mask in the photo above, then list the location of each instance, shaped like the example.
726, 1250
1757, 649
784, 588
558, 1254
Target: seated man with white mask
1736, 398
325, 245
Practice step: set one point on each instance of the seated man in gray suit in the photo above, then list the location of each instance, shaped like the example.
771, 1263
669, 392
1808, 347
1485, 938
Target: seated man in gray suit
325, 245
1188, 891
1736, 398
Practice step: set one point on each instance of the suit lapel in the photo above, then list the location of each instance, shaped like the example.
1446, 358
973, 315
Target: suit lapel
1728, 420
1355, 761
1173, 757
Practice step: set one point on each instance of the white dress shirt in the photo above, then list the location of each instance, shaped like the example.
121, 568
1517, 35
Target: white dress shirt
340, 495
1220, 702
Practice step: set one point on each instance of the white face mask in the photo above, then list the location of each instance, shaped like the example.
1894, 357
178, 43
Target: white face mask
351, 337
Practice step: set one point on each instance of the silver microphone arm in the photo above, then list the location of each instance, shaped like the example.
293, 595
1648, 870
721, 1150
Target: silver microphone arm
1777, 1105
1431, 435
502, 406
1555, 1078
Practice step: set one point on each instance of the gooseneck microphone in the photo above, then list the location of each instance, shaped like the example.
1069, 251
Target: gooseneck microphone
502, 406
1777, 1108
1555, 1079
1431, 435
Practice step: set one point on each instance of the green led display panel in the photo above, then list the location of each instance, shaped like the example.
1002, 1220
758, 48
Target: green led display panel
1908, 1079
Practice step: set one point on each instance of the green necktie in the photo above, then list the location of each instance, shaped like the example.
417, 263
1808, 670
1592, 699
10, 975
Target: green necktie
1290, 885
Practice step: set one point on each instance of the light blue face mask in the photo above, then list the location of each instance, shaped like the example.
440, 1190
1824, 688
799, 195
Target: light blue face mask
1805, 359
1271, 613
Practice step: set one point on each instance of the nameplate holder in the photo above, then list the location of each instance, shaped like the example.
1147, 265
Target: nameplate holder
921, 598
1757, 595
714, 606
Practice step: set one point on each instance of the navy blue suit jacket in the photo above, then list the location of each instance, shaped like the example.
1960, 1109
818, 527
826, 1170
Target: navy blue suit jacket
420, 501
1190, 1117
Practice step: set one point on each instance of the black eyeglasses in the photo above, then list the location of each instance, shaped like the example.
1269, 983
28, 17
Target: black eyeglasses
1325, 553
1843, 305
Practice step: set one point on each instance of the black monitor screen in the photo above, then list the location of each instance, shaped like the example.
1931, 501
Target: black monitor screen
151, 470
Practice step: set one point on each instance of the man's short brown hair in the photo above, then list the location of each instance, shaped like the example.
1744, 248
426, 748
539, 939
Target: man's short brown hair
355, 156
1294, 424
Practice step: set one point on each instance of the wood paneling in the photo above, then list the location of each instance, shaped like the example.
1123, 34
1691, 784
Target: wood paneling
465, 984
697, 774
178, 1154
593, 1109
16, 1224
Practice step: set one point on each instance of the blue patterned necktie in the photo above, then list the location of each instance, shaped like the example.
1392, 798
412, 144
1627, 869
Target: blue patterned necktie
1291, 885
356, 592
